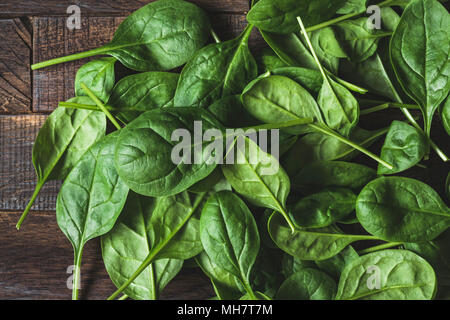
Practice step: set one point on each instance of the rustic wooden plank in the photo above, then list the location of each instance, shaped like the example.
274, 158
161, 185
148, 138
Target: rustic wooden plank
19, 8
52, 39
17, 175
34, 264
15, 82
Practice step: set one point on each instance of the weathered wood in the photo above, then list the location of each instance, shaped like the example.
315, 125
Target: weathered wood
17, 175
52, 39
35, 260
15, 83
19, 8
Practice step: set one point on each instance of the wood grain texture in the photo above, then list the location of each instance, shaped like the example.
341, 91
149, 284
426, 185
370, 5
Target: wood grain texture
15, 52
17, 175
19, 8
34, 264
52, 39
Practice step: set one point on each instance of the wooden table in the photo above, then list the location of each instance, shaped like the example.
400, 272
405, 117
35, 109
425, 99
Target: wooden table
34, 260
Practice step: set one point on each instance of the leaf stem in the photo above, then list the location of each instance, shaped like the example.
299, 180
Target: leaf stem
72, 105
68, 58
153, 254
124, 297
344, 17
100, 105
331, 133
38, 188
380, 247
215, 36
77, 274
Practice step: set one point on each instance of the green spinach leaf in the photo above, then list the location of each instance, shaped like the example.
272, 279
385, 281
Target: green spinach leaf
62, 140
419, 52
230, 236
216, 71
131, 240
402, 209
144, 151
387, 275
307, 284
280, 15
333, 174
98, 75
135, 94
161, 35
324, 208
91, 199
404, 147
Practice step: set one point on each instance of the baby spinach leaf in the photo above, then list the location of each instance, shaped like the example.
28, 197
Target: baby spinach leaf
310, 244
258, 177
310, 79
387, 275
291, 265
324, 208
327, 48
332, 174
224, 283
131, 240
174, 233
229, 235
372, 74
290, 49
276, 99
279, 16
216, 71
437, 253
161, 35
62, 140
353, 6
135, 94
267, 60
316, 147
402, 209
358, 40
226, 109
419, 53
339, 107
145, 148
307, 284
335, 265
404, 147
90, 199
98, 75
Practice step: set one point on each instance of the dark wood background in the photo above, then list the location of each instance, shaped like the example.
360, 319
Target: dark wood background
34, 260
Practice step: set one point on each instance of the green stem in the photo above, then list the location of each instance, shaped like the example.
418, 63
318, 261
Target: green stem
153, 254
397, 105
411, 119
38, 188
124, 297
100, 105
71, 105
380, 247
331, 133
374, 109
348, 85
72, 57
249, 290
77, 274
215, 36
281, 125
344, 17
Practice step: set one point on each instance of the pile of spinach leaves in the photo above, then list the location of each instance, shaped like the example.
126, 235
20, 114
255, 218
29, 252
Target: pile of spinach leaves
339, 210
